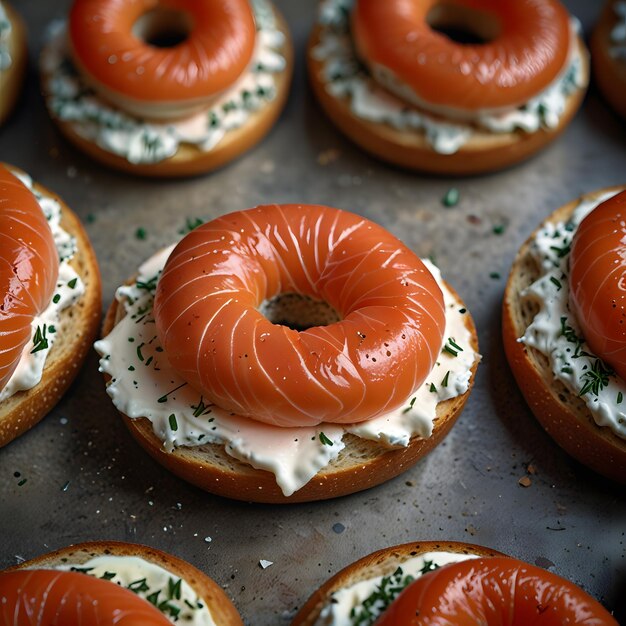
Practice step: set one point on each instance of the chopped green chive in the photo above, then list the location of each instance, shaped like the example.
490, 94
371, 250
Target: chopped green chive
411, 403
148, 285
561, 252
620, 397
444, 382
72, 283
596, 379
556, 282
40, 341
451, 198
453, 349
164, 398
191, 223
139, 355
429, 566
495, 275
56, 298
200, 408
173, 589
139, 585
499, 229
455, 345
432, 388
173, 422
141, 233
325, 440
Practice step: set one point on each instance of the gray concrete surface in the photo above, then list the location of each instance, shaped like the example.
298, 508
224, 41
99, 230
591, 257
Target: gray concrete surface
87, 479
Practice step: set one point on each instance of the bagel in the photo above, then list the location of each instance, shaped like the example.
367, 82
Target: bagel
392, 311
441, 140
593, 438
125, 51
111, 555
249, 460
374, 566
236, 119
22, 405
430, 583
13, 58
608, 54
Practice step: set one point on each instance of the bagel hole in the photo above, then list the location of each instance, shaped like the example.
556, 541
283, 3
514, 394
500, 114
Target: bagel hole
163, 28
464, 25
298, 311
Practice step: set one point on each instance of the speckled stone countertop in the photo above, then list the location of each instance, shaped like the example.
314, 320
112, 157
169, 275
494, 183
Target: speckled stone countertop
79, 476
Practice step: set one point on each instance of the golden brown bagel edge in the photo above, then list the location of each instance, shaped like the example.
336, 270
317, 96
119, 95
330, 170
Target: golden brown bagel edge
381, 563
484, 152
564, 415
361, 465
77, 331
190, 160
222, 609
12, 78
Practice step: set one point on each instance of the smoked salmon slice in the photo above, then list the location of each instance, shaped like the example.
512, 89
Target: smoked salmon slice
53, 598
528, 50
494, 591
215, 52
391, 313
598, 281
29, 266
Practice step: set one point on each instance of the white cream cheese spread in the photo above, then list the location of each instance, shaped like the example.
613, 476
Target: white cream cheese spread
72, 101
345, 77
555, 332
618, 33
364, 601
5, 34
143, 384
172, 595
46, 326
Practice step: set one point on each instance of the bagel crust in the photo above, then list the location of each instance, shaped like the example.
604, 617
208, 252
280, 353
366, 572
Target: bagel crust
484, 151
222, 609
189, 159
360, 465
562, 413
76, 333
609, 71
12, 78
381, 563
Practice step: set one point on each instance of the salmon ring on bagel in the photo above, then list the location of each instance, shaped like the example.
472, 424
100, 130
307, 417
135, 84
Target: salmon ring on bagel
598, 281
479, 592
29, 266
527, 47
127, 51
50, 300
388, 338
111, 583
448, 86
71, 599
167, 87
288, 353
563, 325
